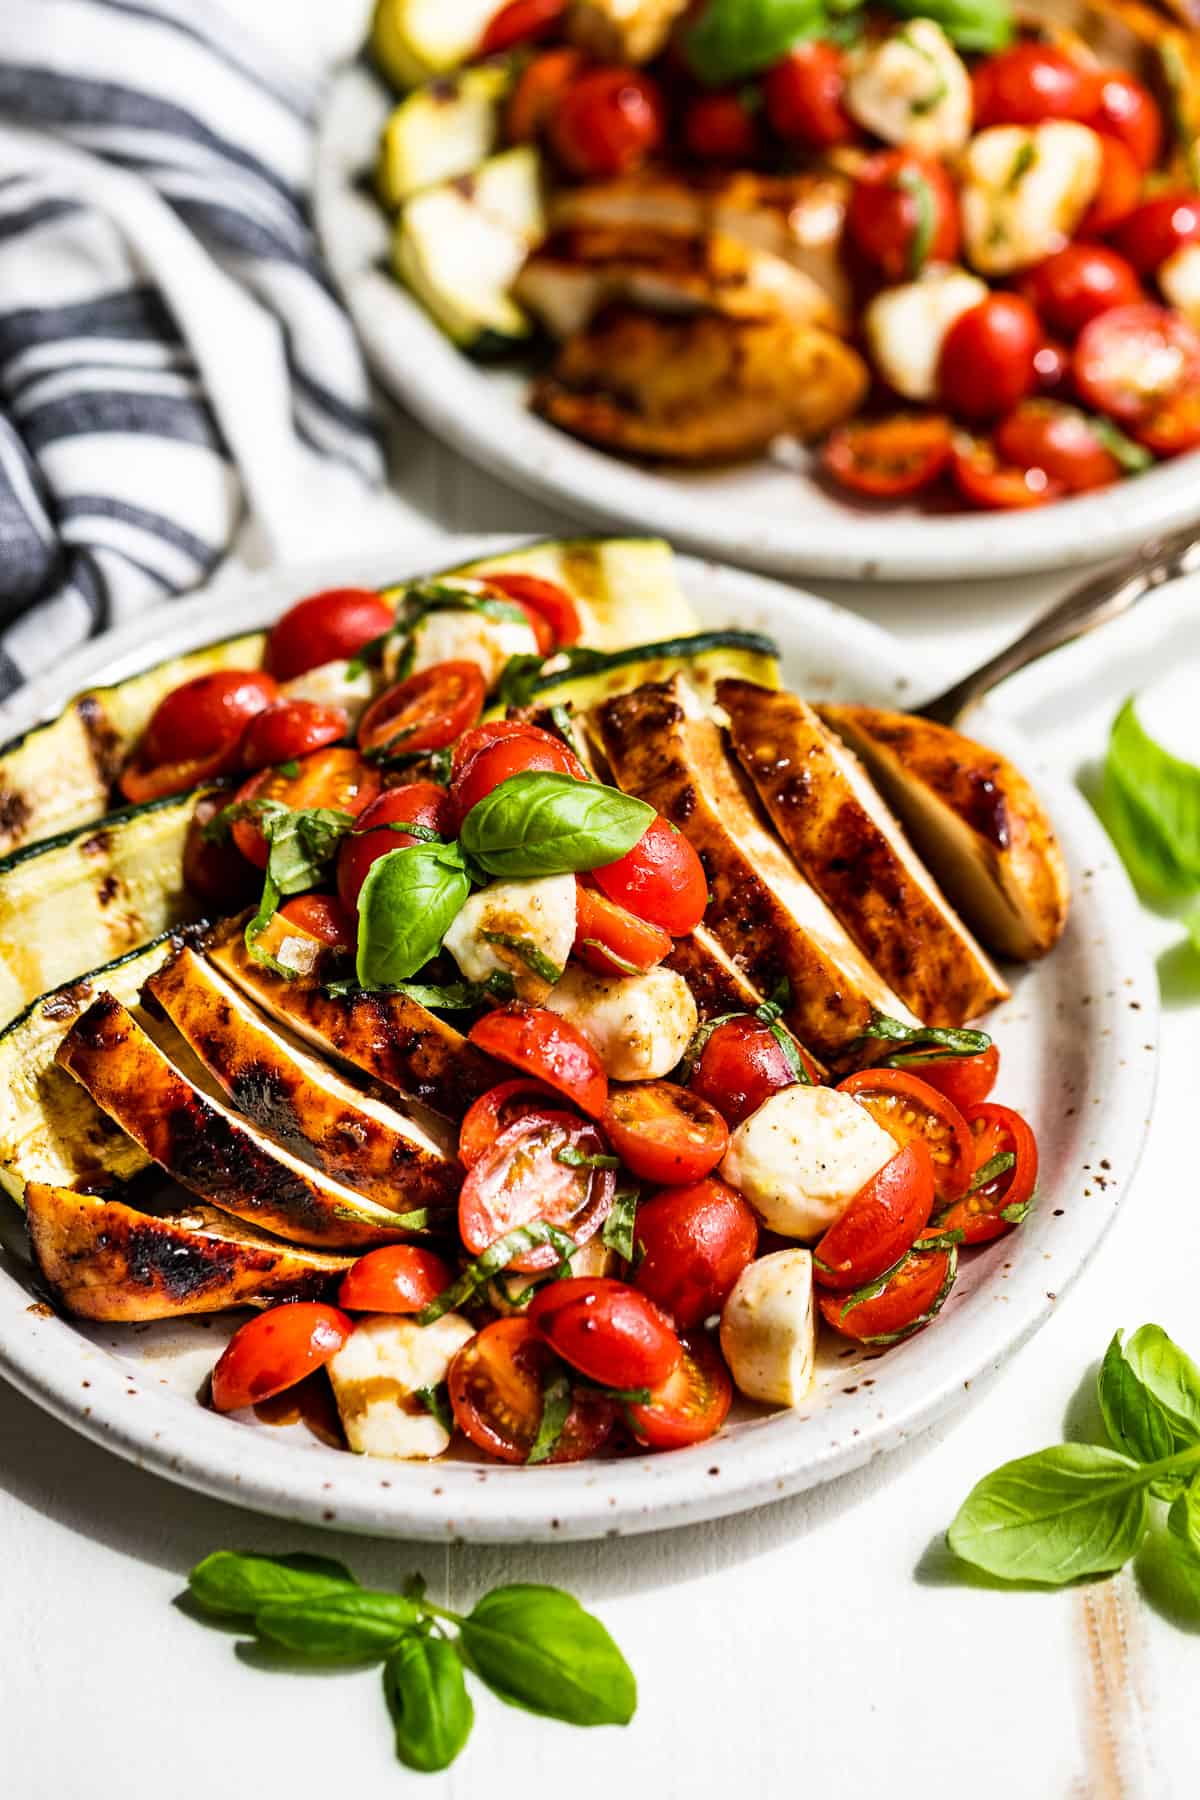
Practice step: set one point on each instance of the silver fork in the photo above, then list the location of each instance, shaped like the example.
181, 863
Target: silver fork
1103, 596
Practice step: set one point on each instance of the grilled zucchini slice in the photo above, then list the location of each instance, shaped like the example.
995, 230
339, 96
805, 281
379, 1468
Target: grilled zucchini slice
705, 658
440, 132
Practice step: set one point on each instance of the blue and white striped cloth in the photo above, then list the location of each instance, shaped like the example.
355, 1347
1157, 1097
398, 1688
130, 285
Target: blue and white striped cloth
173, 362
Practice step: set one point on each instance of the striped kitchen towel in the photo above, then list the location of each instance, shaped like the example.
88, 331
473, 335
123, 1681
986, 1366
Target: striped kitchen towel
173, 362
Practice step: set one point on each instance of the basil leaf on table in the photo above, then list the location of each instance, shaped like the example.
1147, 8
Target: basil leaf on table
1171, 1377
1072, 1510
735, 38
1152, 807
427, 1697
408, 902
537, 1648
979, 25
540, 824
344, 1625
1134, 1420
239, 1584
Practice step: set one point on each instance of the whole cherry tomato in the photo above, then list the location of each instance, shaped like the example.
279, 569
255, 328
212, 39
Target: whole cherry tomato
497, 762
537, 91
326, 627
803, 96
607, 1330
720, 128
608, 122
741, 1065
540, 1167
1077, 284
519, 22
694, 1243
611, 940
986, 364
546, 599
426, 712
1174, 425
1157, 229
909, 1109
1052, 366
985, 481
215, 871
499, 731
1128, 111
690, 1405
1031, 82
882, 1221
966, 1081
903, 213
538, 1043
275, 1350
1118, 192
497, 1384
374, 832
661, 879
1132, 361
290, 729
496, 1110
889, 458
195, 732
1045, 434
663, 1132
912, 1298
998, 1132
399, 1278
337, 779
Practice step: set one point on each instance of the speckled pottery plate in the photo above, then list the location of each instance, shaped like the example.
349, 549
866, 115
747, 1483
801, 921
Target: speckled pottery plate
769, 514
1078, 1042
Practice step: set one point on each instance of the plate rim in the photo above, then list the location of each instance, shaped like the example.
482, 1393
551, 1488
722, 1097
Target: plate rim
450, 396
47, 1358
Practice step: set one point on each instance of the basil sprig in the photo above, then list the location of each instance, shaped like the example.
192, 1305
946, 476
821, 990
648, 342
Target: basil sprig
1085, 1509
408, 902
949, 1040
534, 1646
732, 39
301, 846
493, 1261
541, 824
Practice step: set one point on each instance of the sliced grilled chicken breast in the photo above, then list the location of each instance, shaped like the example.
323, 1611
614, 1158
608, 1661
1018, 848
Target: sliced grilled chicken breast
300, 1101
387, 1036
974, 819
762, 911
718, 985
102, 1259
856, 855
204, 1147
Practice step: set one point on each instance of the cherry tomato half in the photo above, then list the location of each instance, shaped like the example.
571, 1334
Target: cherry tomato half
608, 122
986, 364
536, 94
984, 480
374, 832
997, 1131
695, 1241
964, 1080
607, 1330
1045, 434
497, 1382
742, 1064
1118, 191
664, 1133
903, 213
1131, 361
803, 96
546, 598
496, 1110
1031, 82
275, 1350
690, 1405
524, 1177
399, 1278
1157, 229
425, 712
217, 874
720, 128
1174, 425
910, 1108
290, 729
661, 879
540, 1044
322, 917
324, 628
914, 1295
508, 756
882, 1221
889, 458
1128, 112
337, 779
519, 22
1077, 284
612, 941
195, 732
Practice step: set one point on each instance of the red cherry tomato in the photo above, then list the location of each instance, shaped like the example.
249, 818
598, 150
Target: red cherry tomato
1045, 434
1157, 229
425, 712
1031, 82
803, 96
997, 1131
695, 1242
966, 1081
290, 729
909, 1109
537, 91
275, 1350
889, 458
540, 1044
194, 733
1128, 111
522, 1178
720, 128
607, 1330
608, 122
519, 22
1173, 426
1131, 361
612, 941
511, 756
664, 1133
497, 1384
742, 1064
374, 833
499, 731
217, 874
496, 1110
1052, 366
1077, 284
334, 778
546, 598
322, 917
882, 1221
983, 480
325, 627
400, 1278
987, 357
690, 1405
661, 879
1118, 192
903, 213
914, 1295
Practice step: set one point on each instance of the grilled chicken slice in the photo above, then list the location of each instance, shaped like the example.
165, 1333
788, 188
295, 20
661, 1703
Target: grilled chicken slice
104, 1260
974, 819
855, 854
699, 390
718, 985
764, 914
204, 1147
299, 1101
389, 1037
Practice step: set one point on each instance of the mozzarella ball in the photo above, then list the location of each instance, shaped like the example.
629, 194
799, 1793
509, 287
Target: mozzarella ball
638, 1025
768, 1328
466, 636
801, 1158
912, 88
905, 327
538, 914
329, 684
1025, 190
377, 1375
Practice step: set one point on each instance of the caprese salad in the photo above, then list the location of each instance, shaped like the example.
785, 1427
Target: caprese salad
571, 1029
957, 245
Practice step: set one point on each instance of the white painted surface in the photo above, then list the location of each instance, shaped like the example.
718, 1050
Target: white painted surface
810, 1648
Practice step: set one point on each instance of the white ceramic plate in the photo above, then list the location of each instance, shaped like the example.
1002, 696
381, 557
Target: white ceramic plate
767, 514
1077, 1041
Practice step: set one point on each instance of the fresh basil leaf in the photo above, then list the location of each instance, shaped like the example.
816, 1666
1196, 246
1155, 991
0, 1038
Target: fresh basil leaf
347, 1625
556, 1404
735, 38
537, 1648
534, 958
911, 181
1132, 458
616, 1233
1152, 807
1073, 1510
238, 1583
268, 906
977, 25
302, 844
427, 1697
519, 679
1183, 1520
791, 1052
618, 962
436, 1401
1000, 1164
579, 1159
541, 824
773, 1008
370, 656
1191, 922
1171, 1378
408, 902
951, 1041
455, 996
493, 1261
1135, 1422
